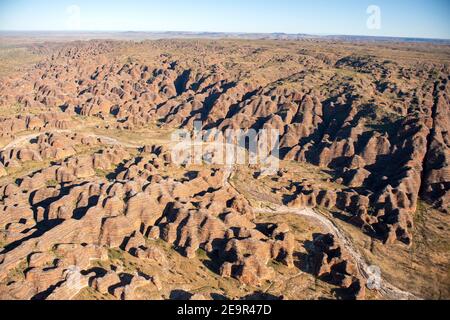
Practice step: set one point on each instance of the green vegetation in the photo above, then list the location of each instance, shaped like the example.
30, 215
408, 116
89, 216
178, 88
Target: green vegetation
2, 243
202, 255
116, 254
101, 173
12, 110
51, 183
13, 59
18, 273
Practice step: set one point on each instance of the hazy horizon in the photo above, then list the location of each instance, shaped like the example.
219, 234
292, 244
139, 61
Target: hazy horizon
194, 33
381, 18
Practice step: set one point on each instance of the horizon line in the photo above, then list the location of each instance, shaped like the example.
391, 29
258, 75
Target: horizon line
319, 35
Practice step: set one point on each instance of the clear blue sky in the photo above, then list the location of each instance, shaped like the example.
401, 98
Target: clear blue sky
409, 18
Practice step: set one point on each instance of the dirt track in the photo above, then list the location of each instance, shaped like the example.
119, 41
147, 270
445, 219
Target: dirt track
105, 139
388, 290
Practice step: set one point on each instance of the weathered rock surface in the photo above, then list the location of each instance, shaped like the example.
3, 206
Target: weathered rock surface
378, 128
332, 263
